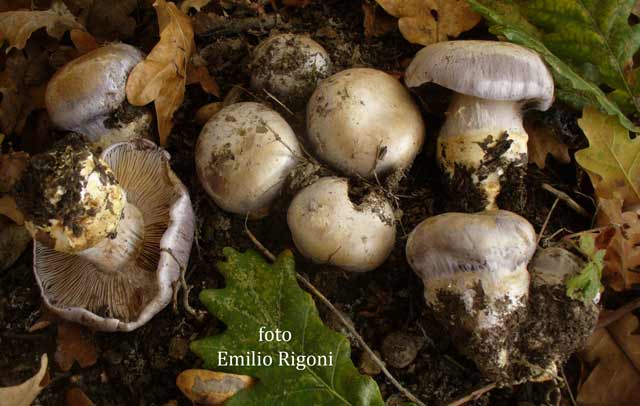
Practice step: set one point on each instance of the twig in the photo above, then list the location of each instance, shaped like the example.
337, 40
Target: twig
615, 315
284, 106
566, 384
342, 319
567, 199
181, 283
546, 221
473, 395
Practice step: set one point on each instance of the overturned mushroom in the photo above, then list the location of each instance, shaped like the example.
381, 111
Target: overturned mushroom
364, 123
243, 156
474, 269
87, 96
329, 228
483, 139
112, 233
289, 66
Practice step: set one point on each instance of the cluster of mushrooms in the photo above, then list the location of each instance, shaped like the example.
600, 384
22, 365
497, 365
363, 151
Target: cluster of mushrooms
114, 230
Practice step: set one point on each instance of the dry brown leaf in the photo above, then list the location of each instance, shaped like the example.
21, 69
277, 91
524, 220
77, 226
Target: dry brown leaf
74, 344
207, 111
376, 21
543, 142
110, 20
614, 351
428, 21
25, 393
83, 41
161, 77
200, 74
209, 387
34, 100
9, 208
12, 95
12, 166
14, 239
76, 397
17, 26
195, 4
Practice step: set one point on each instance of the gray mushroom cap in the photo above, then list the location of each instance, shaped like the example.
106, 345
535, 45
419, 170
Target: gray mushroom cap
452, 243
486, 69
86, 91
127, 298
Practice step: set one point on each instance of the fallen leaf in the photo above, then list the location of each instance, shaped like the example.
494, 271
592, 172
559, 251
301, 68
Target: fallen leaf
612, 159
543, 142
9, 208
110, 20
74, 344
76, 397
376, 22
296, 3
200, 74
34, 100
83, 41
429, 21
14, 239
186, 5
161, 77
12, 90
209, 387
614, 351
25, 393
17, 26
207, 111
12, 5
12, 166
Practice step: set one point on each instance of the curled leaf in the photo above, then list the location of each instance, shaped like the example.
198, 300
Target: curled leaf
25, 393
209, 387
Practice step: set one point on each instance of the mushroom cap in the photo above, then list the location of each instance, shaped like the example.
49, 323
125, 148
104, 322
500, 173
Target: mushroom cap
362, 121
243, 156
486, 69
124, 300
87, 90
553, 265
70, 197
493, 241
329, 229
289, 66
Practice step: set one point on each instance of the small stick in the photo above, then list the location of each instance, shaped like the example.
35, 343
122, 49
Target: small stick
473, 395
546, 221
284, 106
615, 315
567, 199
566, 384
182, 284
338, 314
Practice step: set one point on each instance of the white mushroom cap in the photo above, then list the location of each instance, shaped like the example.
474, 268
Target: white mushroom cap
456, 251
486, 69
289, 66
329, 229
124, 300
243, 156
87, 91
71, 198
363, 121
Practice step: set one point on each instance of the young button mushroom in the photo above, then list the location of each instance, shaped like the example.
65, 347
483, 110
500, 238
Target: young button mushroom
88, 96
289, 66
364, 123
243, 156
329, 228
474, 269
111, 233
483, 139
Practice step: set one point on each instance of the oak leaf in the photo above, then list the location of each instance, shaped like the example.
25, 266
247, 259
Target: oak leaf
162, 76
206, 387
429, 21
200, 74
186, 5
25, 393
615, 352
612, 159
542, 142
17, 26
83, 41
73, 344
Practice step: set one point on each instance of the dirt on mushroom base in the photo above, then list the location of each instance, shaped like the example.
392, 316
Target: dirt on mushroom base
141, 367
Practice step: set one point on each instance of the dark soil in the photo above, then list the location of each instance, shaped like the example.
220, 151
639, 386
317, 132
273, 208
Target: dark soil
140, 368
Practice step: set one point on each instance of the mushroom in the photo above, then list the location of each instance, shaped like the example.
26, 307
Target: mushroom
289, 66
474, 269
483, 139
243, 156
88, 96
111, 233
364, 123
328, 228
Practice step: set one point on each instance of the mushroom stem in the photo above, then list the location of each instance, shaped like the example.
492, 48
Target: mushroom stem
482, 137
112, 254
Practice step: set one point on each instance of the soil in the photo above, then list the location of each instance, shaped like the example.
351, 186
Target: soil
140, 368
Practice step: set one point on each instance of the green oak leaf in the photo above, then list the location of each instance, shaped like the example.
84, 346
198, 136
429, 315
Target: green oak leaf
586, 285
588, 44
262, 295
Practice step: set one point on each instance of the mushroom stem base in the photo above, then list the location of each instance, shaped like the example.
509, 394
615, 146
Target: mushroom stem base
112, 254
